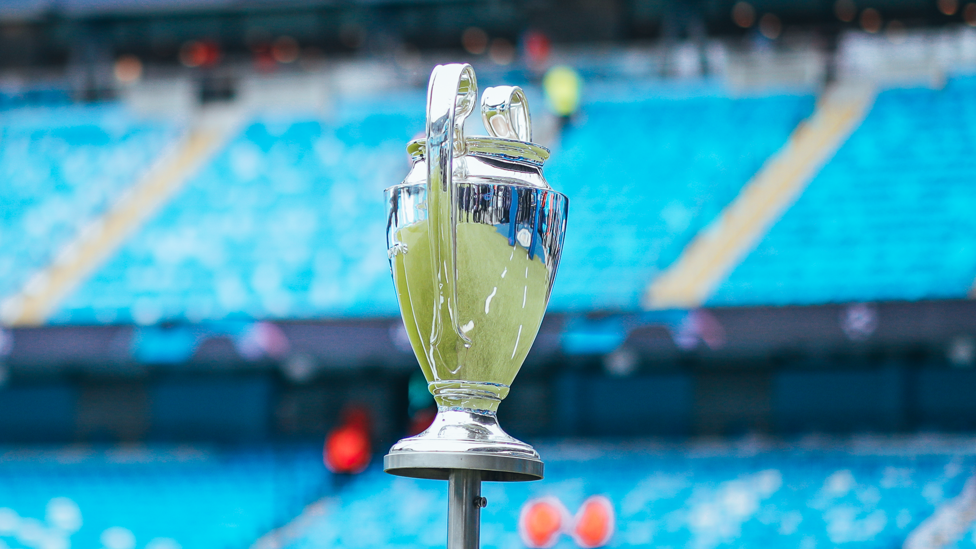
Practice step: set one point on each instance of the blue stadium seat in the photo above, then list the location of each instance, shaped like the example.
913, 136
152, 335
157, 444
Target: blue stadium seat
34, 96
645, 172
890, 217
867, 494
60, 167
164, 497
287, 222
706, 498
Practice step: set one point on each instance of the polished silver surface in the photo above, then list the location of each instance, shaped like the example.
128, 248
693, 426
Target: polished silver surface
530, 216
489, 148
438, 466
460, 430
464, 509
451, 96
475, 234
505, 112
469, 211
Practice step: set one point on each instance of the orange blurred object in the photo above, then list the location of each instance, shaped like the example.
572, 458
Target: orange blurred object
743, 14
595, 522
128, 68
541, 521
285, 50
871, 20
347, 448
475, 40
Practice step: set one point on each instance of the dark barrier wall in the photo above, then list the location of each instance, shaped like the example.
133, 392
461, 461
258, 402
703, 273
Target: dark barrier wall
858, 399
38, 413
601, 406
828, 397
945, 399
211, 408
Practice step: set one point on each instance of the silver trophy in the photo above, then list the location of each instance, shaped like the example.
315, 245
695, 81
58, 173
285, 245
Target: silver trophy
474, 237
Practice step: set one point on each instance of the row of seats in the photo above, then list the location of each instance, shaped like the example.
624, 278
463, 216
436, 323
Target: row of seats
867, 494
288, 221
707, 497
16, 98
155, 497
645, 172
890, 217
60, 168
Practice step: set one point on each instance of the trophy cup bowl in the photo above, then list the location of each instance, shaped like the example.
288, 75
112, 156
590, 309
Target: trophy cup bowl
474, 238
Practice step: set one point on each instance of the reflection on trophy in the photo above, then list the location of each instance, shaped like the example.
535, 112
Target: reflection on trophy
475, 234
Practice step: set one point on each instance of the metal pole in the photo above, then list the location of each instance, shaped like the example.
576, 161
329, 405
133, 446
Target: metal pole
464, 509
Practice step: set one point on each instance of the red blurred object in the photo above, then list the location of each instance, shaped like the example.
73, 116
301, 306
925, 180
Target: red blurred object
421, 421
537, 48
263, 57
347, 448
265, 62
541, 521
595, 522
200, 53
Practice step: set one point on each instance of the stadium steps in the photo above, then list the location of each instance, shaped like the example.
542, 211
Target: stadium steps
719, 247
948, 523
95, 243
298, 528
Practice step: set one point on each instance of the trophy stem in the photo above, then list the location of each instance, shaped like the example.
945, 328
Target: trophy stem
464, 509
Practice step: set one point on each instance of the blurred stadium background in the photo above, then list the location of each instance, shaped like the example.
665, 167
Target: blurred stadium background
761, 335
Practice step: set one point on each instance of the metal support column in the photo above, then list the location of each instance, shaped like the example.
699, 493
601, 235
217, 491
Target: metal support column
464, 472
464, 509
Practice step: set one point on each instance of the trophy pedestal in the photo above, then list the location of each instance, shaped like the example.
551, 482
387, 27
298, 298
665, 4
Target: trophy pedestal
464, 439
441, 465
464, 448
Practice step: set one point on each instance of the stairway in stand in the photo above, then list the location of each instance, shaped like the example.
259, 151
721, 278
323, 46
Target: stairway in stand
720, 246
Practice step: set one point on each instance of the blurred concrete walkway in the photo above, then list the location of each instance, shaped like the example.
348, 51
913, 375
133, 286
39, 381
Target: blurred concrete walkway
296, 530
725, 242
948, 523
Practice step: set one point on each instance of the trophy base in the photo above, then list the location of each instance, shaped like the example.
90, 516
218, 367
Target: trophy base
464, 439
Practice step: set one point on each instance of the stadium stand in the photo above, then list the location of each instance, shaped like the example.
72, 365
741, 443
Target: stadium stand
60, 167
716, 249
261, 248
240, 301
888, 218
815, 494
152, 497
646, 170
286, 222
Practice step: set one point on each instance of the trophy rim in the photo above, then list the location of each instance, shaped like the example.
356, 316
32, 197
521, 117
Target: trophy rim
438, 465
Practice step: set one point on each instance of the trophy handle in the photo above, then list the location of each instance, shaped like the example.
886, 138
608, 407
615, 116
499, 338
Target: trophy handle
505, 112
451, 97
